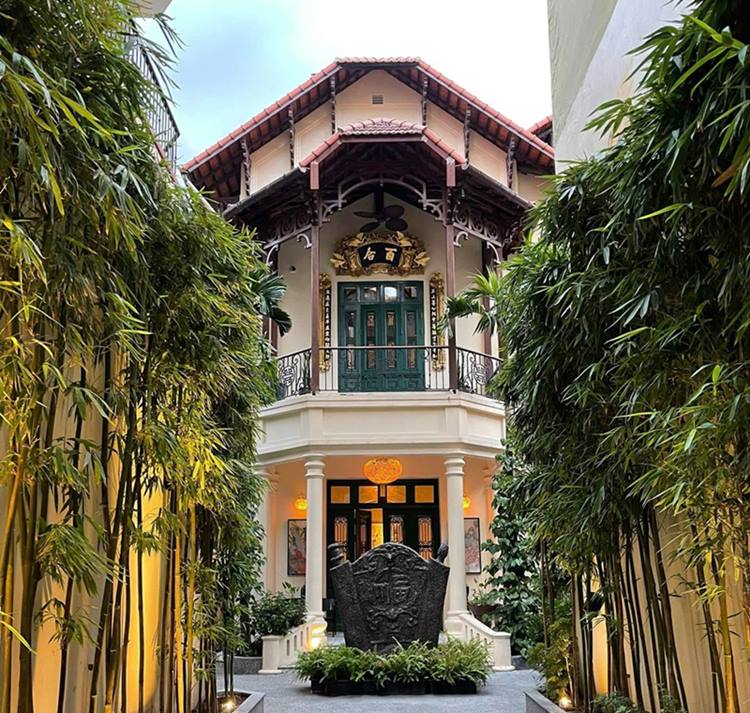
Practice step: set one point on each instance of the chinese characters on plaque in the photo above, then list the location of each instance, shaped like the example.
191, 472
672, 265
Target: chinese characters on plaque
393, 253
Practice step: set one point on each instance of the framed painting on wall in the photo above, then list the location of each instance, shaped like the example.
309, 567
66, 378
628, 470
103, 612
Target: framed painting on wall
296, 537
472, 545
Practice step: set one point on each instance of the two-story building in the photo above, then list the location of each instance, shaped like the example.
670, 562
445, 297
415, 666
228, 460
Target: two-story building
378, 187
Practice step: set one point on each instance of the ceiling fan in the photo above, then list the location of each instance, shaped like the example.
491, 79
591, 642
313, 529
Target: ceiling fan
389, 215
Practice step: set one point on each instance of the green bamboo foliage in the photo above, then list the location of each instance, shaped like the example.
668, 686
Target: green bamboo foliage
626, 372
132, 368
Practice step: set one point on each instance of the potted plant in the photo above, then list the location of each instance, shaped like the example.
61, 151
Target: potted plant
458, 667
310, 666
407, 670
483, 604
276, 614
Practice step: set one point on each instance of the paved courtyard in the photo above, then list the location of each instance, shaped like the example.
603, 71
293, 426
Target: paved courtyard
286, 694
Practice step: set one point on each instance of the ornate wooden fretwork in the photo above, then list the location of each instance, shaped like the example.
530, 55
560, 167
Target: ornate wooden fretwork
424, 101
332, 84
245, 168
325, 322
467, 134
469, 222
510, 161
290, 114
394, 253
430, 201
437, 306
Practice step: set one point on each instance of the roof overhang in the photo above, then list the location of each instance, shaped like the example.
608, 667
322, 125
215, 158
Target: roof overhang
217, 168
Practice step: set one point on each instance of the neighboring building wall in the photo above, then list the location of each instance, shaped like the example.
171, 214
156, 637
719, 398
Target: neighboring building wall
589, 45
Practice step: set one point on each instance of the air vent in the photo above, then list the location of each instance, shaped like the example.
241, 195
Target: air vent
377, 98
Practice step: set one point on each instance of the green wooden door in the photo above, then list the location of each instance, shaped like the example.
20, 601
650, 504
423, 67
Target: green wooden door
381, 315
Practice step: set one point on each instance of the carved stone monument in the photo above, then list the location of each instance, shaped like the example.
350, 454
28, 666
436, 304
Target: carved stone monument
389, 595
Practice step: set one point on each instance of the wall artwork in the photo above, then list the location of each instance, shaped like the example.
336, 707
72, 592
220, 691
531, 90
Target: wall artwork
296, 548
472, 545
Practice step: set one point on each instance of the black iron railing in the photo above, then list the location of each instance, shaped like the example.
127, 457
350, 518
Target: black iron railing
386, 368
160, 116
294, 374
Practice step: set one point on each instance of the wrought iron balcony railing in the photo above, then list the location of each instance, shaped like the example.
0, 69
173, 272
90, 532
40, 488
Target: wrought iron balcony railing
386, 368
160, 116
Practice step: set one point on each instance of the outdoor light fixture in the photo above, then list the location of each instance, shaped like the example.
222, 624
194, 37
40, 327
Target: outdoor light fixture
383, 470
229, 705
300, 503
467, 502
565, 703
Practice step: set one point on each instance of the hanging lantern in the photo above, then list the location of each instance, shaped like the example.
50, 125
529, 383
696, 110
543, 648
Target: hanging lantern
383, 470
300, 503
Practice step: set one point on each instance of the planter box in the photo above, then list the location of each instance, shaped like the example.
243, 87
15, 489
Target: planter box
538, 703
252, 704
461, 688
342, 688
244, 665
479, 610
369, 688
417, 688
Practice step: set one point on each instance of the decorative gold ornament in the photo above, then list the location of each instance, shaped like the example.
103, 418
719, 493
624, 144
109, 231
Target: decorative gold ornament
300, 503
324, 328
393, 253
383, 470
437, 307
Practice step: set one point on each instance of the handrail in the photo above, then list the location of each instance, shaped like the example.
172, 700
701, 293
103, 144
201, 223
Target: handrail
160, 117
397, 367
497, 642
282, 651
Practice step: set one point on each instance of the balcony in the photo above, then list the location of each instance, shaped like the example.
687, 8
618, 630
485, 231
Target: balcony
367, 369
160, 117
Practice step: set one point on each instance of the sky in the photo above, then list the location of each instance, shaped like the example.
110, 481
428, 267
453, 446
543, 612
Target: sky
239, 56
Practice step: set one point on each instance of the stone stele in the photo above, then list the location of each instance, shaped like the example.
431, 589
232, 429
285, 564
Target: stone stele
389, 596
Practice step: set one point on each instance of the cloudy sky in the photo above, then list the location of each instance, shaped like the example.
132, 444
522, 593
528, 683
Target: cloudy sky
241, 55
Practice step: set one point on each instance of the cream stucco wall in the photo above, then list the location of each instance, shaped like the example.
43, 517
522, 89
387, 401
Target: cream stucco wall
294, 266
288, 480
399, 101
355, 103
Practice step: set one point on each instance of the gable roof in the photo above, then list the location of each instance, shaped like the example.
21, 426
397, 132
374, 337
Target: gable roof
382, 127
217, 168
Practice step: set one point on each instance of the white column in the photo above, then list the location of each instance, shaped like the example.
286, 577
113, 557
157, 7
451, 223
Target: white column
454, 482
314, 475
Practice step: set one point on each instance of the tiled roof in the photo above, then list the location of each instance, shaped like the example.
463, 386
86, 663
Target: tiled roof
541, 126
373, 127
216, 167
382, 127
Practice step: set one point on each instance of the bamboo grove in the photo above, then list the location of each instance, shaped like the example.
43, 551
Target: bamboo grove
132, 366
627, 374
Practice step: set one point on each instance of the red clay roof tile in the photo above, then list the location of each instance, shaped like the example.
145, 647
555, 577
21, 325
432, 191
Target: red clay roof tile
544, 151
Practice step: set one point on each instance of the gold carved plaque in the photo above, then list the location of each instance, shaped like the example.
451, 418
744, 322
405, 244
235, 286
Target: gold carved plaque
324, 328
393, 253
437, 307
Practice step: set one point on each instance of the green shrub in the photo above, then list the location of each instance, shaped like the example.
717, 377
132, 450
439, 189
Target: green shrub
449, 662
277, 614
457, 660
553, 661
615, 703
411, 664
